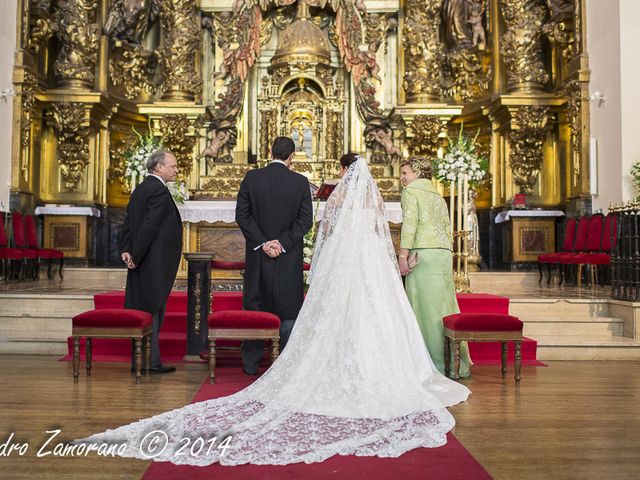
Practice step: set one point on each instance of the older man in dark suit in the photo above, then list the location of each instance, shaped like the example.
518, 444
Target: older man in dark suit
274, 212
151, 246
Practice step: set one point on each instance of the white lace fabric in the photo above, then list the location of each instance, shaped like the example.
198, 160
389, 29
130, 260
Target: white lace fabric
355, 378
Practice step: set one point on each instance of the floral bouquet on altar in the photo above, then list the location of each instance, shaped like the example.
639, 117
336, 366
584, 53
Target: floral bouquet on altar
136, 165
309, 242
461, 158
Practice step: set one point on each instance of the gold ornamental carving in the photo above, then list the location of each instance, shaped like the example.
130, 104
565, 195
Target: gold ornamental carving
74, 23
133, 68
364, 69
425, 139
464, 76
530, 125
71, 128
28, 101
197, 290
178, 137
423, 51
574, 94
561, 37
180, 46
118, 146
335, 134
521, 45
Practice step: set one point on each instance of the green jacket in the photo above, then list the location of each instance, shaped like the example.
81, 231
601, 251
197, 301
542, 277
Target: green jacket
425, 217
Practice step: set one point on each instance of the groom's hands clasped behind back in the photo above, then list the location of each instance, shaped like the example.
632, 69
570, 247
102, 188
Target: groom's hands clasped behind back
273, 248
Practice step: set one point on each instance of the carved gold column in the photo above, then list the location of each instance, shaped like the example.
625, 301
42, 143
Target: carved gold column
179, 51
74, 22
422, 51
521, 46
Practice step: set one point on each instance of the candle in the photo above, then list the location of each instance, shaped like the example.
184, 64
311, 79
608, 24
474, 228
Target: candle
465, 204
459, 224
452, 203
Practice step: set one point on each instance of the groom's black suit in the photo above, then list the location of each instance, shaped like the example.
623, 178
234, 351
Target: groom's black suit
274, 203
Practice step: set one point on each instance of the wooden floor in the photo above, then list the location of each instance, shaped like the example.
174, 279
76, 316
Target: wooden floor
568, 420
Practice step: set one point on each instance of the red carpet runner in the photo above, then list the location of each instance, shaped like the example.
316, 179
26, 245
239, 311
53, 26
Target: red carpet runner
172, 335
451, 462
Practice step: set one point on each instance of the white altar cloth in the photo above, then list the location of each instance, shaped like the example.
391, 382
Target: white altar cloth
505, 216
225, 211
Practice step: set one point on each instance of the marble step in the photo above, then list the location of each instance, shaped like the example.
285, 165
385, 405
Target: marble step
499, 282
573, 347
558, 308
38, 324
583, 326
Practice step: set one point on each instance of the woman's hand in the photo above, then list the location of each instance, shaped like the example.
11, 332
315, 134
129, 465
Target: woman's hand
404, 266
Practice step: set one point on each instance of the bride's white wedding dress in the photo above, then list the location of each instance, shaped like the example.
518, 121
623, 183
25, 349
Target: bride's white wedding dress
355, 377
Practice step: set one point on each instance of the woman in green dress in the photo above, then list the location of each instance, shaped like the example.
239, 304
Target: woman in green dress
426, 230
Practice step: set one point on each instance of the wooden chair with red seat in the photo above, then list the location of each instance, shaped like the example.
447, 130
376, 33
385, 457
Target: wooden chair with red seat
593, 245
242, 325
551, 259
30, 255
49, 254
10, 257
601, 259
564, 259
223, 265
482, 327
113, 323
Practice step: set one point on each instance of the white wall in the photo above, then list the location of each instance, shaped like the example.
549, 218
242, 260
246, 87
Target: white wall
613, 37
629, 91
8, 21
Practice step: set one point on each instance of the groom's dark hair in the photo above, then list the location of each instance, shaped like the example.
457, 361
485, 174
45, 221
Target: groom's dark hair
282, 148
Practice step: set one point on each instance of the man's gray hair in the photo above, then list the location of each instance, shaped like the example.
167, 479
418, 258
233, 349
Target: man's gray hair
157, 157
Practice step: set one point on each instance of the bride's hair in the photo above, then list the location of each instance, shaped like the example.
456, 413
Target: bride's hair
419, 165
348, 159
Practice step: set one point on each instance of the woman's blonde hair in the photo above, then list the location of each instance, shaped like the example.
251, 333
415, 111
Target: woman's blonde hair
420, 165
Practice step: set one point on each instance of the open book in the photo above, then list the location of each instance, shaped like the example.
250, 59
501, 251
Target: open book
325, 189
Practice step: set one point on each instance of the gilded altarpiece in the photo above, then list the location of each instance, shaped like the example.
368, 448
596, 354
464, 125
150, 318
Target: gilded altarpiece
219, 79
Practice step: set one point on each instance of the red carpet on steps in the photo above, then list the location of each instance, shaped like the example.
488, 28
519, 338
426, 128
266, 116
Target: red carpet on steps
451, 462
172, 335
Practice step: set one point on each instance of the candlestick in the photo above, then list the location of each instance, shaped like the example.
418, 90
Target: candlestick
465, 203
459, 206
452, 189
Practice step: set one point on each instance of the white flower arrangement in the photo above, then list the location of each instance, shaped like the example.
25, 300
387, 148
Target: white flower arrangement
309, 242
136, 165
461, 159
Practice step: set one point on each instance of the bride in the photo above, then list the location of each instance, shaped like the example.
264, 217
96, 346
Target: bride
355, 377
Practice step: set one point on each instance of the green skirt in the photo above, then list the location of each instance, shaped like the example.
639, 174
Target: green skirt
432, 295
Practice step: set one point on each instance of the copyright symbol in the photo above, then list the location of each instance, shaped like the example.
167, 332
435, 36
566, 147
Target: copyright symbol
153, 444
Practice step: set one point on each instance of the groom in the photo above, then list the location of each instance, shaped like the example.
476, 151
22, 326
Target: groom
274, 212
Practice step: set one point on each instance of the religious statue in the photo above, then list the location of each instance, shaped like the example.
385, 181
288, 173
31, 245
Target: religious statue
384, 136
478, 38
217, 149
130, 20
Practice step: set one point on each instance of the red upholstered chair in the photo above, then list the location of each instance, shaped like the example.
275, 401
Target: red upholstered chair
221, 265
551, 259
482, 327
113, 323
599, 257
9, 256
49, 254
242, 325
593, 245
30, 256
565, 259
